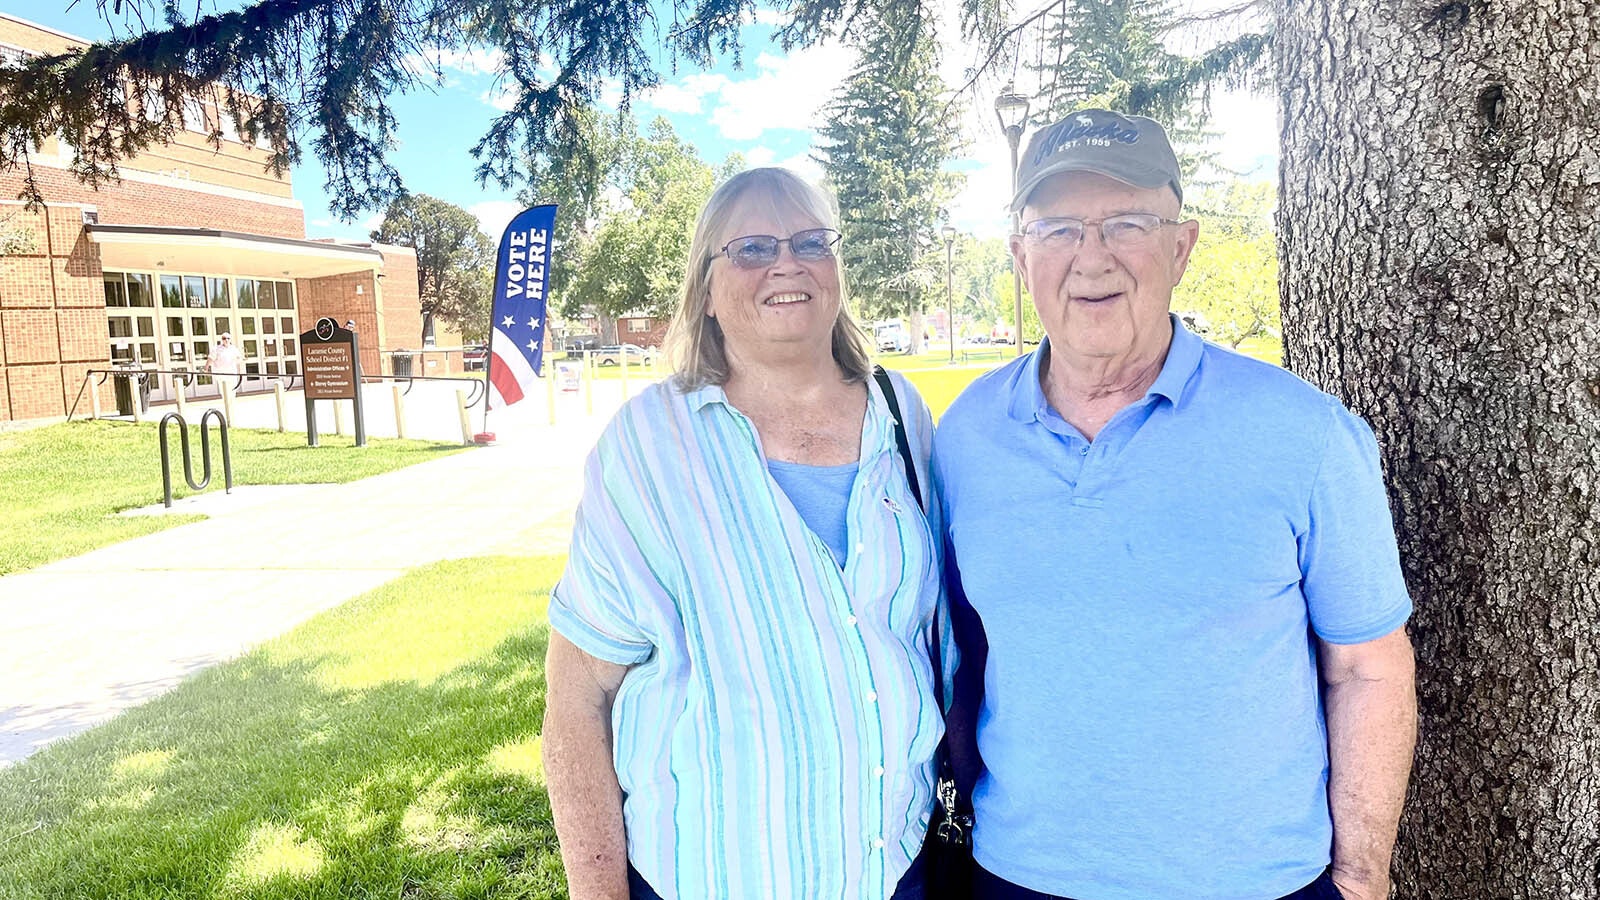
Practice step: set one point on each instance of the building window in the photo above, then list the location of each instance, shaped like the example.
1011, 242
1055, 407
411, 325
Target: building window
638, 326
194, 115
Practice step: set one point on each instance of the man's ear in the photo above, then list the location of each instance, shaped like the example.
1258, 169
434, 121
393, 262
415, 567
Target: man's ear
1187, 234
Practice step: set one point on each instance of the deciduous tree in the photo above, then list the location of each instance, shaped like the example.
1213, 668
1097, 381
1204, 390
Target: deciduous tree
455, 260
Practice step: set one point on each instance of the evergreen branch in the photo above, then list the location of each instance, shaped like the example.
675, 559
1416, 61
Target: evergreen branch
998, 45
1213, 16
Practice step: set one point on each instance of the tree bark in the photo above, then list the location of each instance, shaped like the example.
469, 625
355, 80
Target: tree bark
1440, 189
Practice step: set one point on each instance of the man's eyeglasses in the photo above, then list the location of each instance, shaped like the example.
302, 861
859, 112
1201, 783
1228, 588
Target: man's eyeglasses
1128, 231
756, 251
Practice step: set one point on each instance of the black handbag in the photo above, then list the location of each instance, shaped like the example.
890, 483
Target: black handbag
947, 850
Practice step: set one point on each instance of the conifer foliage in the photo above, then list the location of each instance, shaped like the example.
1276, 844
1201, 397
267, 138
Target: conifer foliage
891, 129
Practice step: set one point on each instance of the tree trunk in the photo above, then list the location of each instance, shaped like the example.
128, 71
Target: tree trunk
1439, 195
917, 323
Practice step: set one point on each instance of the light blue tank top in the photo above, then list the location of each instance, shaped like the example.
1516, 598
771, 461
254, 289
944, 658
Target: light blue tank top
821, 495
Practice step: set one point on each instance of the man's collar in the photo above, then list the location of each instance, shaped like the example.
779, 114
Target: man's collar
1183, 360
1028, 402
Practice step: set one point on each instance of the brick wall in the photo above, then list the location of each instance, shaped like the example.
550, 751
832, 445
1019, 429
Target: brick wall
335, 296
399, 304
190, 155
136, 203
652, 338
52, 312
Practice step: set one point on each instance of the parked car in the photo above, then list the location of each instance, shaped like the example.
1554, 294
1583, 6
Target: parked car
474, 357
891, 337
612, 354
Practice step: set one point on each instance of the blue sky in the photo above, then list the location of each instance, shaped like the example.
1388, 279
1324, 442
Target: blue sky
766, 110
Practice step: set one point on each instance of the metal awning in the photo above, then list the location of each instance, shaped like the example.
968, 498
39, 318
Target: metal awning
212, 251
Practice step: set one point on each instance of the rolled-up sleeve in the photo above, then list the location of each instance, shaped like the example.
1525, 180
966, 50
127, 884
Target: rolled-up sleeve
593, 605
1350, 565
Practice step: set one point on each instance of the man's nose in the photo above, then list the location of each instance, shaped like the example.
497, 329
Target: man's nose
1092, 255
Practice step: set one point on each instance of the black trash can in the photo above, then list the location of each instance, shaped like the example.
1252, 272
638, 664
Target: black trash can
123, 387
400, 363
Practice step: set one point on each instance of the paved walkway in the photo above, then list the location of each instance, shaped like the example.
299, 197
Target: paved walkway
85, 638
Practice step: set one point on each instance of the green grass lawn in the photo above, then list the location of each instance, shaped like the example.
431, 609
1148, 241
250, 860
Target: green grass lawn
388, 748
63, 483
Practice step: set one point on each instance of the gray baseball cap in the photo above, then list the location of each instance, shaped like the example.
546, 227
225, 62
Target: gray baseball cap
1131, 149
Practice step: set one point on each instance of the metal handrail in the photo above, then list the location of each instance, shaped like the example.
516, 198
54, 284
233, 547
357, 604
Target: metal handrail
142, 376
188, 458
478, 387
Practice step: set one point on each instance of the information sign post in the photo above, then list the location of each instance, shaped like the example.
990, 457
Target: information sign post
330, 357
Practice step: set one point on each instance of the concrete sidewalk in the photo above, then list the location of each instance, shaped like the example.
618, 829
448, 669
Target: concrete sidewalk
85, 638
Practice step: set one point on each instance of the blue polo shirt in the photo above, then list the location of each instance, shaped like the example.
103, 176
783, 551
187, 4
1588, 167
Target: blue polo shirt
1152, 723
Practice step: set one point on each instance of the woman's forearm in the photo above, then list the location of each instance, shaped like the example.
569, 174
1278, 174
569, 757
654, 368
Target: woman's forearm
584, 793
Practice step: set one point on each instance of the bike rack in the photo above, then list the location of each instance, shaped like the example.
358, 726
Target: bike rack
188, 460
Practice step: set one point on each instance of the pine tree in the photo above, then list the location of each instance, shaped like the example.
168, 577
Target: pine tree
1113, 54
891, 129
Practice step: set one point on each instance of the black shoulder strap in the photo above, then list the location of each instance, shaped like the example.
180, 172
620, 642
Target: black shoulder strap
935, 652
900, 440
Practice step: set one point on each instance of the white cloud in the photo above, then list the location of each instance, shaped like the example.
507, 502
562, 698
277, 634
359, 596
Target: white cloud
476, 61
499, 97
772, 18
979, 208
803, 165
494, 215
686, 94
321, 223
785, 93
371, 223
756, 157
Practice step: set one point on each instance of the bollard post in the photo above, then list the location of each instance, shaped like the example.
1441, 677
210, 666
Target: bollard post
588, 382
227, 399
550, 391
94, 398
277, 397
138, 407
623, 353
466, 424
399, 411
179, 393
338, 417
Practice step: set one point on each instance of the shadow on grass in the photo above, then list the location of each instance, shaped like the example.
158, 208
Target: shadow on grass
402, 789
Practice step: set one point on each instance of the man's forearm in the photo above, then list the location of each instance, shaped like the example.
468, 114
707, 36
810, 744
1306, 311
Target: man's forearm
1372, 731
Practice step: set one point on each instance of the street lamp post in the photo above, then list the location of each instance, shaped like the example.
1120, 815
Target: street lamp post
949, 233
1012, 110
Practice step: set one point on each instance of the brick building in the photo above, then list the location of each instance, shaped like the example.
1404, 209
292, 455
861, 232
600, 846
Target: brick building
194, 241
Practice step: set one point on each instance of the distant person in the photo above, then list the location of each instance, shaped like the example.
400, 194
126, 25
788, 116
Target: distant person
740, 698
1182, 565
225, 358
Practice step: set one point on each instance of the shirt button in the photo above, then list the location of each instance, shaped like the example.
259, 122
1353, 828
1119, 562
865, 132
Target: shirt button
872, 696
877, 843
878, 771
861, 548
851, 620
1084, 452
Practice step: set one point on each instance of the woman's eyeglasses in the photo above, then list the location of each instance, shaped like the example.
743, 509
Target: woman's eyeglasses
757, 251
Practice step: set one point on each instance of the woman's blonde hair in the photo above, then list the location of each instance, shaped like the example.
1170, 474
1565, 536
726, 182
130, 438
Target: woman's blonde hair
694, 339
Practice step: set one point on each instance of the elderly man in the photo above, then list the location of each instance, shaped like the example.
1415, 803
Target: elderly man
1197, 681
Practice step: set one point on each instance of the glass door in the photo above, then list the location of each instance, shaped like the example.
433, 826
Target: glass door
131, 319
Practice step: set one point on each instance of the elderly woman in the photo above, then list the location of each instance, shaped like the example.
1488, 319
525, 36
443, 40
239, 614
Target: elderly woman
740, 697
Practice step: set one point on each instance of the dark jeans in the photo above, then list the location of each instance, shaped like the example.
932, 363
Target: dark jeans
988, 886
909, 888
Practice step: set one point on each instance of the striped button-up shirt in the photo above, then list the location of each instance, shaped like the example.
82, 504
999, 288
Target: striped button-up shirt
775, 732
